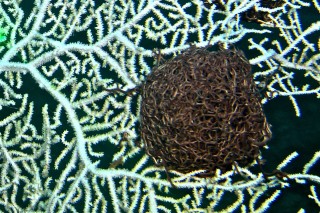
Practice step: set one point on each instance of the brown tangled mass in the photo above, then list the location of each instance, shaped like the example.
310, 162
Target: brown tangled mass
202, 110
251, 15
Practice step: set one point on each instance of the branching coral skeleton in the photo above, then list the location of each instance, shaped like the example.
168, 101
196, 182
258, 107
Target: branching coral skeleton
67, 144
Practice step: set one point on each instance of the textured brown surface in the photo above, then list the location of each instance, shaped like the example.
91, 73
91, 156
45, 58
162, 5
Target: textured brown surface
251, 15
201, 110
